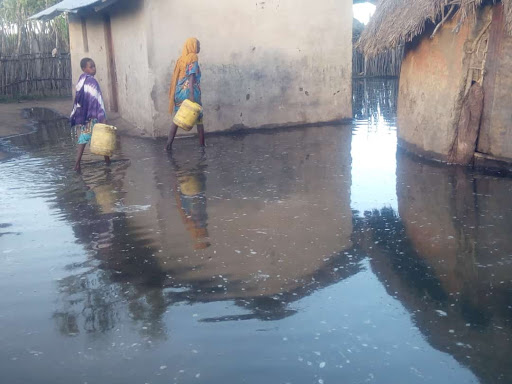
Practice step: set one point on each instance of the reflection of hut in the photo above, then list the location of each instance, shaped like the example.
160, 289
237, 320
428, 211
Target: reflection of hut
454, 88
455, 227
278, 221
447, 262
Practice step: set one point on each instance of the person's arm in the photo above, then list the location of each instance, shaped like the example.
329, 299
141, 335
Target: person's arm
191, 83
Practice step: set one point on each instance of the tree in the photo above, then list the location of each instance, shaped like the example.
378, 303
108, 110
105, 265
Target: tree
18, 35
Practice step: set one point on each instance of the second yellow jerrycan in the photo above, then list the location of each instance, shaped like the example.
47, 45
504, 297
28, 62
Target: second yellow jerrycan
103, 140
105, 197
187, 115
191, 185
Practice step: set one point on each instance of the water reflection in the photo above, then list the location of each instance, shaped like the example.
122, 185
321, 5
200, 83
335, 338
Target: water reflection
461, 230
374, 99
374, 144
314, 250
95, 292
51, 128
446, 256
252, 220
191, 200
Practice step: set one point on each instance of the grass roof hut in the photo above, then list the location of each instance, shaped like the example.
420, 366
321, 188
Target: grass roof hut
454, 95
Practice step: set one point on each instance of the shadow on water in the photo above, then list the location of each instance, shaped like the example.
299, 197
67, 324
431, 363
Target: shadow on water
260, 245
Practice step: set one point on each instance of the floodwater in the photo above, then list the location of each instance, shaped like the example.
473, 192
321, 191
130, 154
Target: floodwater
317, 255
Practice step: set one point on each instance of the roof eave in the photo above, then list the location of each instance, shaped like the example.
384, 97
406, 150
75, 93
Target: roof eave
70, 6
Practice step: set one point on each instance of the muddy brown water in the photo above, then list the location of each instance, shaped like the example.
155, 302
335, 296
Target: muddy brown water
316, 255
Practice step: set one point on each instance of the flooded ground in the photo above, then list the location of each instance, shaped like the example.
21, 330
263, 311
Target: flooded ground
315, 255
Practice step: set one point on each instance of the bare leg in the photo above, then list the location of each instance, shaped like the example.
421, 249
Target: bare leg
172, 134
79, 153
107, 160
200, 131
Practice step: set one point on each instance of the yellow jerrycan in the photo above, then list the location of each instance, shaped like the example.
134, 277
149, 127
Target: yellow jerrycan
103, 140
187, 115
105, 197
191, 185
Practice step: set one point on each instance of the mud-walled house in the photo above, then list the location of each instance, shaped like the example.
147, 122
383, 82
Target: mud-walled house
455, 88
268, 63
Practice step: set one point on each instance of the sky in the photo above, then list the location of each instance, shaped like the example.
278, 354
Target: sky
363, 12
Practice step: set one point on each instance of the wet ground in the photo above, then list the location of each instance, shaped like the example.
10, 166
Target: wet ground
11, 123
316, 255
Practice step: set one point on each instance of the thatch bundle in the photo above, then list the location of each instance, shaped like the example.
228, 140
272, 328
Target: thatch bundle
397, 22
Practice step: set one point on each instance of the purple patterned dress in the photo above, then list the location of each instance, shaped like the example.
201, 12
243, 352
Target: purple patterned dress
88, 108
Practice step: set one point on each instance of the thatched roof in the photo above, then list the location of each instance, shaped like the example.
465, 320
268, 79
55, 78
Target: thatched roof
397, 22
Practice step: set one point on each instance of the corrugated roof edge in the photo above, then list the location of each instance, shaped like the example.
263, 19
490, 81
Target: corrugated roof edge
68, 6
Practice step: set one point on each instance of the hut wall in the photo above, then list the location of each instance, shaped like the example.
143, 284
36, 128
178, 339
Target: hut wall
89, 41
267, 63
496, 129
431, 82
129, 26
266, 69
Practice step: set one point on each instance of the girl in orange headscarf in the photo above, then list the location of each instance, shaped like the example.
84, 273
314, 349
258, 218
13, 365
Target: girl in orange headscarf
185, 84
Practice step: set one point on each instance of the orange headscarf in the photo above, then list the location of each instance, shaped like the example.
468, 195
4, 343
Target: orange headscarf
188, 56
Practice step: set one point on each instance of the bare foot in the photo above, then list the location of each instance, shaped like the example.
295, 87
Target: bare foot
78, 168
168, 147
107, 160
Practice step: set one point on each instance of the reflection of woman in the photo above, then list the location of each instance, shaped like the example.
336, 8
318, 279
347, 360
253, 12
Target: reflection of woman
191, 201
185, 84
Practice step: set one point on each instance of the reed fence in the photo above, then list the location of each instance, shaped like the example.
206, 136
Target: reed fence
35, 75
388, 63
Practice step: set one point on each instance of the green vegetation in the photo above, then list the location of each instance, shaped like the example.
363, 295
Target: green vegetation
18, 35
